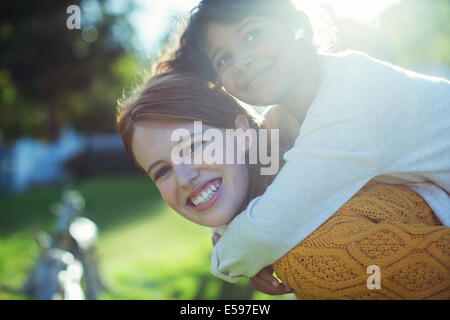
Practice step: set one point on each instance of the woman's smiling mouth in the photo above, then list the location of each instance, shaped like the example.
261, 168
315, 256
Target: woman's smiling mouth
205, 196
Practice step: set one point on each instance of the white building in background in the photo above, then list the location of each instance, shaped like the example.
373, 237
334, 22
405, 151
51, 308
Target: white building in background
30, 162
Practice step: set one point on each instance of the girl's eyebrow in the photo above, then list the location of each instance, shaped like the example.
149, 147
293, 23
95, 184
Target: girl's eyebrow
243, 25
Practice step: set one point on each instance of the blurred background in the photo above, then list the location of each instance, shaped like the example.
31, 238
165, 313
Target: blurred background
58, 94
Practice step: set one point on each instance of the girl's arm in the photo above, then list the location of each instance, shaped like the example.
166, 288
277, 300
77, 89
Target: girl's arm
276, 117
370, 119
332, 159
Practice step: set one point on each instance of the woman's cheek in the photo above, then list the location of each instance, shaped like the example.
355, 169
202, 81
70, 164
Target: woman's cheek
168, 194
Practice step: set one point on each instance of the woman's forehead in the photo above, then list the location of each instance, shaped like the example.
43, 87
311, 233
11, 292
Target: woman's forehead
160, 134
169, 124
153, 139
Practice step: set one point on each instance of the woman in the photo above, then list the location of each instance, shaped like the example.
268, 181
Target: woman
385, 225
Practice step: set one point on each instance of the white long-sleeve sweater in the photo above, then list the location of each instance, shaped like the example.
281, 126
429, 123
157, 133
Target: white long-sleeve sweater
369, 119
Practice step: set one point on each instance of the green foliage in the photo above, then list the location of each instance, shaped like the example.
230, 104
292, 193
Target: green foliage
412, 34
16, 255
417, 31
50, 75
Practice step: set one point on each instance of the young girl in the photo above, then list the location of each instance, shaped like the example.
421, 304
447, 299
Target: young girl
390, 226
361, 119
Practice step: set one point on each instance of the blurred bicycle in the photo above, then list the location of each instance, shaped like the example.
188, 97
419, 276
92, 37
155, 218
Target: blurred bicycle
68, 260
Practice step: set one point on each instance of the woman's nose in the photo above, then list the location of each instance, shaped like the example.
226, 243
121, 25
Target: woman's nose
186, 175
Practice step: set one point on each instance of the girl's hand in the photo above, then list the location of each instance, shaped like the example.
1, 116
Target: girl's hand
215, 238
266, 283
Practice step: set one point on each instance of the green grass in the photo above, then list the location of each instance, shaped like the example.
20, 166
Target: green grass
146, 250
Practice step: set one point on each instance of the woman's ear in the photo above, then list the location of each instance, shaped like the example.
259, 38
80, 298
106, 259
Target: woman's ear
241, 122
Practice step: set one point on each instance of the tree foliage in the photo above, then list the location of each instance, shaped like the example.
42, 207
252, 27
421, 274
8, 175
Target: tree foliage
50, 75
411, 33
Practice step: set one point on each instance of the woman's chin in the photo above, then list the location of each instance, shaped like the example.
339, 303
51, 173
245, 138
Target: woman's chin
218, 221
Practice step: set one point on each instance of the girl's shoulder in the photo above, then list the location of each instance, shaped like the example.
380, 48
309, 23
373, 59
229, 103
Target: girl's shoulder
359, 67
385, 100
354, 68
355, 78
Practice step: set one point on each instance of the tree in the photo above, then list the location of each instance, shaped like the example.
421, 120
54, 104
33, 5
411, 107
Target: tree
51, 75
411, 33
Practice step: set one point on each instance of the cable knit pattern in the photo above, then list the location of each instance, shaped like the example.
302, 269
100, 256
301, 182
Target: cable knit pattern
385, 225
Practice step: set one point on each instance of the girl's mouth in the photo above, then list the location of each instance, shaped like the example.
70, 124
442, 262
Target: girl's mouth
258, 78
206, 197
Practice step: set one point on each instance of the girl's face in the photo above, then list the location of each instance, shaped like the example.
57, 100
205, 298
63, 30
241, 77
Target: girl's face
207, 194
257, 60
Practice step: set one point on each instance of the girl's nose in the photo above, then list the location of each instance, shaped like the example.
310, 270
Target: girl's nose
186, 174
244, 63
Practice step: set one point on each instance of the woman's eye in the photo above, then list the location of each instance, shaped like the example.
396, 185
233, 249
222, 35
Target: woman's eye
161, 172
194, 145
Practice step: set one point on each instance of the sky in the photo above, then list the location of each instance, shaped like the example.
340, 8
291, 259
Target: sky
153, 17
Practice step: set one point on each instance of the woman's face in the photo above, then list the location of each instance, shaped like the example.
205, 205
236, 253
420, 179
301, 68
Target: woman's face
207, 194
257, 60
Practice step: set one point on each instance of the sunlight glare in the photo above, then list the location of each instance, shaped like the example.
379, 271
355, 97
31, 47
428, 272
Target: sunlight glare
363, 11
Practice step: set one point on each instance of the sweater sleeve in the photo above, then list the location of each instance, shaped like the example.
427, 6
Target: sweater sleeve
332, 159
387, 226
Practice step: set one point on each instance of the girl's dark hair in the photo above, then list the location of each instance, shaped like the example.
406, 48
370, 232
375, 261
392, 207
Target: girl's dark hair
190, 54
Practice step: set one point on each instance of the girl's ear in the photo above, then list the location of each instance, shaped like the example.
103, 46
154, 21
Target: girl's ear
301, 26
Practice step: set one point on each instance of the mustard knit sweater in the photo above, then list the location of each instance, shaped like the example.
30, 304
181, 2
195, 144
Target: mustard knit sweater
389, 226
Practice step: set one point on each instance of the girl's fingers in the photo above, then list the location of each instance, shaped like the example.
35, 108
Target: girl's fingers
215, 238
268, 288
265, 282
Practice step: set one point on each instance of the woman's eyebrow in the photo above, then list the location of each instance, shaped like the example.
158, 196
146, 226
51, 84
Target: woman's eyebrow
190, 136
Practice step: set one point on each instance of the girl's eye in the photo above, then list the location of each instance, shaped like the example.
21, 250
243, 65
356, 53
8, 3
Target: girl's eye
161, 172
222, 62
252, 35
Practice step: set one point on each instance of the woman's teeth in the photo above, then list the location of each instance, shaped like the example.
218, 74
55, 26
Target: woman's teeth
207, 194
